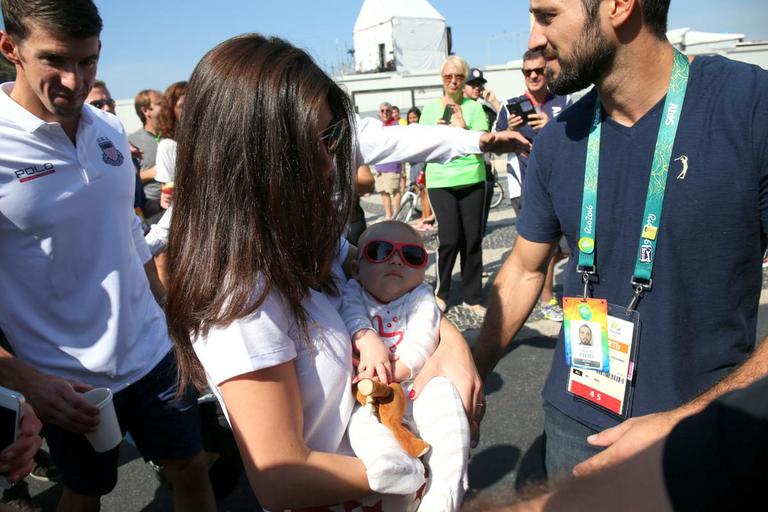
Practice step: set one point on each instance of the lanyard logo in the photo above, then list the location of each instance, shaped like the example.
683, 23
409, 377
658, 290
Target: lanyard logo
683, 159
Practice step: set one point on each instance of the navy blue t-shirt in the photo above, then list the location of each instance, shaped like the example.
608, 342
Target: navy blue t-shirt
699, 320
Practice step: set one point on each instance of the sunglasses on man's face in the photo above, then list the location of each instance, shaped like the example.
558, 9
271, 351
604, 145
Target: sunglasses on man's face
332, 136
379, 251
102, 103
538, 71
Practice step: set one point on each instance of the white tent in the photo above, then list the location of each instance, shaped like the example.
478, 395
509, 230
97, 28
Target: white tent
407, 35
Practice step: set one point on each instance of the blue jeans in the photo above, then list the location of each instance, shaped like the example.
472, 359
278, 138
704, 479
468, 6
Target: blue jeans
566, 443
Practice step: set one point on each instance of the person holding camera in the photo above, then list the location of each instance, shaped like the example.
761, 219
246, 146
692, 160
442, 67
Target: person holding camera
547, 106
457, 190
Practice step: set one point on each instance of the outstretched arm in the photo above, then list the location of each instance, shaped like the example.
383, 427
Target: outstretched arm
513, 296
423, 143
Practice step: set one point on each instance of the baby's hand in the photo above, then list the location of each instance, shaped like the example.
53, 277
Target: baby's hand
374, 358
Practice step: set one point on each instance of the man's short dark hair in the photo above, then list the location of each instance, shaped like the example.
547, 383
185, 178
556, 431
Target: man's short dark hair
654, 14
535, 53
74, 18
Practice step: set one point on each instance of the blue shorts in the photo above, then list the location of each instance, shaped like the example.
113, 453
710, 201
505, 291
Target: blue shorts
162, 427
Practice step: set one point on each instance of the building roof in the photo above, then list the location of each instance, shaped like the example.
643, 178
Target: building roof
377, 12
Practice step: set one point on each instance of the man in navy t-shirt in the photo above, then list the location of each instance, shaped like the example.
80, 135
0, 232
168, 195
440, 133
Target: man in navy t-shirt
698, 316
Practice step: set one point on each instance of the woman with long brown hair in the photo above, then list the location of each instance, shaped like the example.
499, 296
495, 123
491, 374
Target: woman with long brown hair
263, 193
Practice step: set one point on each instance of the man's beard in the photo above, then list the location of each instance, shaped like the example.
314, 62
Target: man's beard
591, 59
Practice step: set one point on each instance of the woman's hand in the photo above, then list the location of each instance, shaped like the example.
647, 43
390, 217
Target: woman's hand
457, 119
453, 359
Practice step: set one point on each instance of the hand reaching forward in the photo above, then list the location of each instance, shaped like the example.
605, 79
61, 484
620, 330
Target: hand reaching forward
628, 438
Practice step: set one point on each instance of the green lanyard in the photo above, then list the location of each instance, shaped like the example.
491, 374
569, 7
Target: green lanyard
646, 251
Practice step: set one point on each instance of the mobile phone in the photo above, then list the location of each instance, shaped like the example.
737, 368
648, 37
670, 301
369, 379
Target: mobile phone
11, 411
522, 108
447, 113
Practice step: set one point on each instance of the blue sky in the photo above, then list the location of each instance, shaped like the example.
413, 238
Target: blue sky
154, 43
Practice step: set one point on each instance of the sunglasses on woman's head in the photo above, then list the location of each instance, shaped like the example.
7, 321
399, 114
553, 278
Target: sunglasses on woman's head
379, 251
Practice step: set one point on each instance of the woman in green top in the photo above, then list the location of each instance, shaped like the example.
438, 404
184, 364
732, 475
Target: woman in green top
457, 191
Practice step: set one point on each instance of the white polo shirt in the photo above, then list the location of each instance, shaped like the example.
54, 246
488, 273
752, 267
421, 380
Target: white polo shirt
76, 301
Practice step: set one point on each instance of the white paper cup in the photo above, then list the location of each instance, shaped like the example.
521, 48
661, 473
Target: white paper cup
108, 434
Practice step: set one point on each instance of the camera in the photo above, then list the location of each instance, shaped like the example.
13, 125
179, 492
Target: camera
11, 411
522, 108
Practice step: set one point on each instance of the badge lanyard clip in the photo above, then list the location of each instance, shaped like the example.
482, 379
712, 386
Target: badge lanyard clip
640, 287
587, 275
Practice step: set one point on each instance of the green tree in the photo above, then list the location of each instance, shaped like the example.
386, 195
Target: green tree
7, 71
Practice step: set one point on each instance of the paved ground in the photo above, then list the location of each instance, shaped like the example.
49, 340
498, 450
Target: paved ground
509, 448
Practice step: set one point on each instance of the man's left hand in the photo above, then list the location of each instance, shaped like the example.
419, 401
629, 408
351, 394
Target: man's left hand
628, 438
506, 141
538, 121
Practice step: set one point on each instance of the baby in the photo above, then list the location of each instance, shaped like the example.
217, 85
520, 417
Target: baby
389, 298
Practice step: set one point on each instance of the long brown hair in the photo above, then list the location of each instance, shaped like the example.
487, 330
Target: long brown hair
252, 211
167, 121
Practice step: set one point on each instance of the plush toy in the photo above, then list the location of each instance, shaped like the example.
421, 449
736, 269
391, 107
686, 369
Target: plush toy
389, 400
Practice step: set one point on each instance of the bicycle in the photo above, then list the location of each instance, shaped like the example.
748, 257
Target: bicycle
498, 191
410, 202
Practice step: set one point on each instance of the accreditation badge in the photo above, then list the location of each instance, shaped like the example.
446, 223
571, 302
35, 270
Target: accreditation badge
611, 390
585, 322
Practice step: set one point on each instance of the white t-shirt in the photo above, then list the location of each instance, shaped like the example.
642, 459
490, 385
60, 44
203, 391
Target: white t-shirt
269, 337
408, 325
76, 301
166, 161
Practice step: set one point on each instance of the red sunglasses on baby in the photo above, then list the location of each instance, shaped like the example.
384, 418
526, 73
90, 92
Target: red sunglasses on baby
379, 251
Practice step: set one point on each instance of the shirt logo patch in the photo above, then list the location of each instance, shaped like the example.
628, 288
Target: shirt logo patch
683, 159
34, 171
109, 152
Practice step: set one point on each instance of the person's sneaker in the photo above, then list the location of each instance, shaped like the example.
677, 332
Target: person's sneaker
45, 469
17, 497
441, 304
552, 310
765, 262
477, 309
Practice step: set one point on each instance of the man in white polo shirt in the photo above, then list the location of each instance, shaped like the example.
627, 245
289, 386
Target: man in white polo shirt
77, 307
